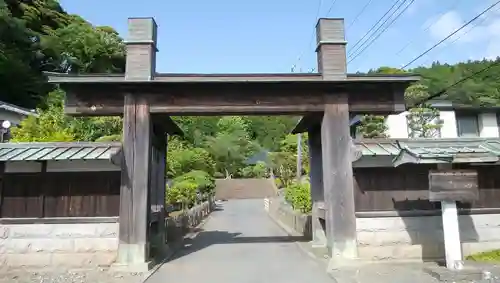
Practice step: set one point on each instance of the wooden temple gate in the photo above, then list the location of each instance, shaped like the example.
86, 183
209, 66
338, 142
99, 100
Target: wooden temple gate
147, 99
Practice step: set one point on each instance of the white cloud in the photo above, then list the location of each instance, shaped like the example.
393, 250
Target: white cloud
446, 24
485, 30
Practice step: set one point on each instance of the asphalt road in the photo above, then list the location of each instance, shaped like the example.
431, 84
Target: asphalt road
241, 244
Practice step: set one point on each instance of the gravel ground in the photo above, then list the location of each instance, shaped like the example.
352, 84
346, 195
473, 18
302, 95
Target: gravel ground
81, 276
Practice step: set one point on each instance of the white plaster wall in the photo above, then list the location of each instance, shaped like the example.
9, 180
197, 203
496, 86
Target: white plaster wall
397, 126
23, 167
488, 126
449, 128
81, 165
61, 166
77, 245
390, 238
14, 118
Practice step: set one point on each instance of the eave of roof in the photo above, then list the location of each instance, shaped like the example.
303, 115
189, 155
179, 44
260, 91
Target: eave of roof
229, 78
431, 151
17, 109
56, 151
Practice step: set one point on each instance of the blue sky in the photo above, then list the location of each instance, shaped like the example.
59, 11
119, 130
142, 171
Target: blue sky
267, 36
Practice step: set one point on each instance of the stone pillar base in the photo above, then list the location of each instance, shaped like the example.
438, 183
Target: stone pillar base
132, 267
133, 257
343, 253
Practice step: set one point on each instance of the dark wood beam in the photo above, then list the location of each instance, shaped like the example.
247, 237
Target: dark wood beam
231, 101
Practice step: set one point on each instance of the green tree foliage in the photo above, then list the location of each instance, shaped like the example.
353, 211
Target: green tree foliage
53, 125
423, 120
267, 130
481, 90
37, 36
373, 126
83, 48
183, 158
284, 161
231, 146
259, 170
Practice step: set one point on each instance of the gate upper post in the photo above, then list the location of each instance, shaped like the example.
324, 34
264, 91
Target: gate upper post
336, 145
133, 249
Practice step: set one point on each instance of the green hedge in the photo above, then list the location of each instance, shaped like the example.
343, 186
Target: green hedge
186, 188
299, 196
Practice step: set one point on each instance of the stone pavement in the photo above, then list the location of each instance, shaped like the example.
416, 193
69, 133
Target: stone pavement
415, 273
240, 243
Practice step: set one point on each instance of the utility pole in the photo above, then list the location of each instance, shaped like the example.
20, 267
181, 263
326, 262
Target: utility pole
299, 156
299, 138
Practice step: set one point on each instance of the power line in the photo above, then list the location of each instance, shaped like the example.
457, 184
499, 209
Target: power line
444, 90
450, 35
330, 9
455, 4
360, 13
375, 25
320, 3
385, 28
463, 34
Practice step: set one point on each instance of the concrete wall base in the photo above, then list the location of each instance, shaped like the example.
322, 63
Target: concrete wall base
58, 245
421, 238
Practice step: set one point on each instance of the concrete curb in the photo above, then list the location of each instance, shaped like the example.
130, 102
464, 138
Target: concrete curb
301, 245
323, 262
176, 247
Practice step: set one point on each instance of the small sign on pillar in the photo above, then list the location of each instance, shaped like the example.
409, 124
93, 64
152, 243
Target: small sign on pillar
448, 187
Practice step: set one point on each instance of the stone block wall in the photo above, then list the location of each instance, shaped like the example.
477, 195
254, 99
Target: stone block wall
282, 212
421, 238
179, 225
69, 245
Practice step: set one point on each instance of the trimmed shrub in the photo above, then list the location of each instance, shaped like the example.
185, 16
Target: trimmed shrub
186, 190
204, 182
183, 192
299, 196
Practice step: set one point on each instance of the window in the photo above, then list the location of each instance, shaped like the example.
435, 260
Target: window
467, 125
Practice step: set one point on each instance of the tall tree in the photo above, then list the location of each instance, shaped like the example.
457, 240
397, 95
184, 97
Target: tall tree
423, 120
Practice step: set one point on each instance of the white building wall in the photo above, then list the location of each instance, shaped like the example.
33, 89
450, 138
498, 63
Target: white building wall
14, 118
397, 126
488, 126
449, 128
61, 166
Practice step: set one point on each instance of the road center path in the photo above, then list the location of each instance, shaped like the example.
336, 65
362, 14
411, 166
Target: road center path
240, 243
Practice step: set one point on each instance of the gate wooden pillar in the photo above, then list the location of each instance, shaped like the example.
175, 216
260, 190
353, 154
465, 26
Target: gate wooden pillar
336, 145
133, 250
317, 194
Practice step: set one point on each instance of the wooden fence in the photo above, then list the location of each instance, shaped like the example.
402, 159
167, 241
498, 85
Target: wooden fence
61, 194
405, 188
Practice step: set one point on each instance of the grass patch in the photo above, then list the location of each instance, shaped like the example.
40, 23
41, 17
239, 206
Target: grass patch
493, 255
